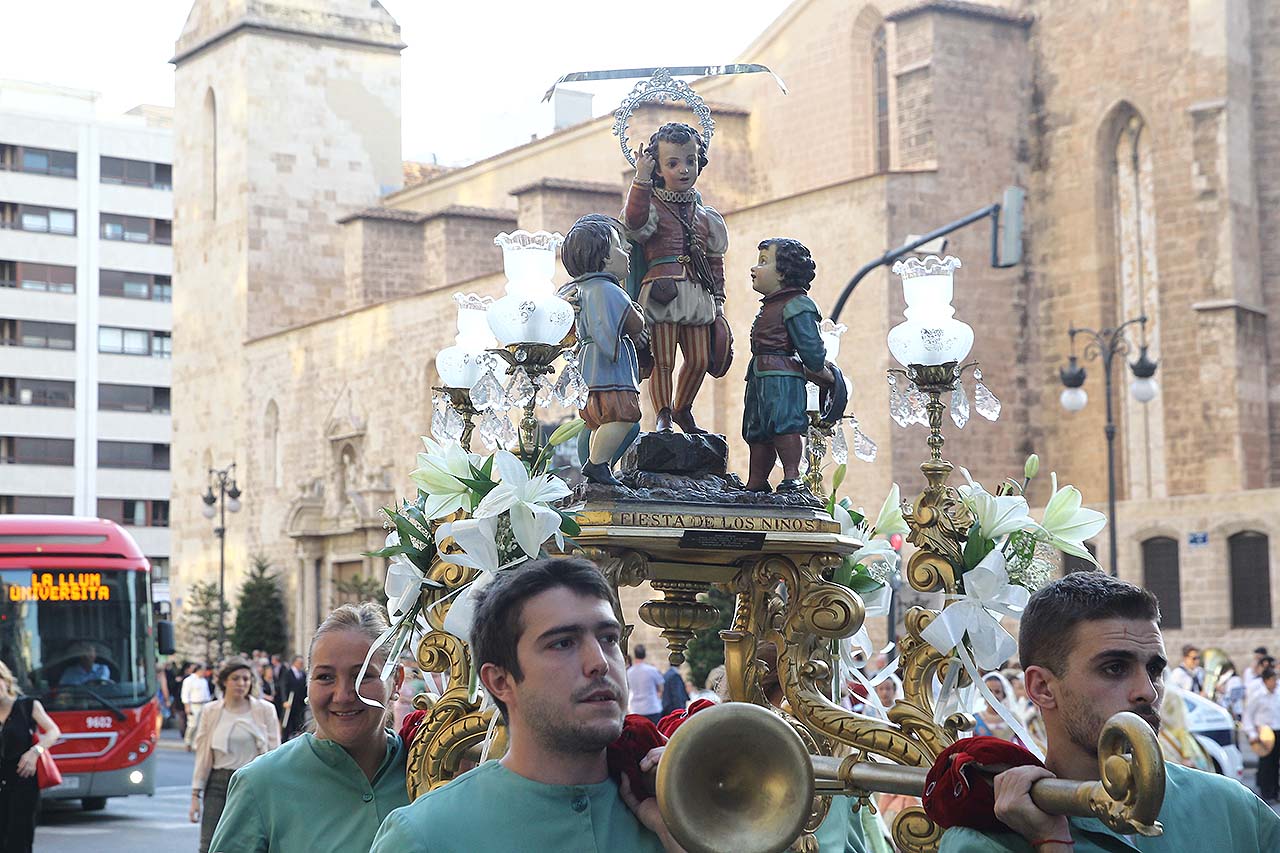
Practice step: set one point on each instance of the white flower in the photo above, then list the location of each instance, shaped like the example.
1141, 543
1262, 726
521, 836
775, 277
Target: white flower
996, 516
438, 473
404, 581
1068, 524
890, 520
527, 500
477, 537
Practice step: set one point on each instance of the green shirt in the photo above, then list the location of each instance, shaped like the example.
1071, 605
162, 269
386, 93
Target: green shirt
490, 808
842, 831
1202, 813
309, 796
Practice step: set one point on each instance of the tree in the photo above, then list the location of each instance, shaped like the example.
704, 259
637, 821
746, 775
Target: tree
260, 613
200, 620
359, 588
706, 649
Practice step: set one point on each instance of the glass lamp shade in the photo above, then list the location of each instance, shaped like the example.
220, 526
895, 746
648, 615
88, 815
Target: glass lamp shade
831, 333
530, 312
1074, 399
931, 334
233, 504
1144, 389
208, 511
460, 365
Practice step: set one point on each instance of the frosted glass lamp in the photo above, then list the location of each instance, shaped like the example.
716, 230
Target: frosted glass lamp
931, 335
460, 365
530, 312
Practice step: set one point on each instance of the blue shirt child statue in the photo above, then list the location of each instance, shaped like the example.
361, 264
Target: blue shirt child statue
786, 350
608, 324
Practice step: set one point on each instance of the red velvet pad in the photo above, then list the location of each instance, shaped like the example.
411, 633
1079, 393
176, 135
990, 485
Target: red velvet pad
639, 735
668, 724
957, 793
409, 727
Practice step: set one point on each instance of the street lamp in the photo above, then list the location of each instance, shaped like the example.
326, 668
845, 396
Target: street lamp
227, 500
1105, 345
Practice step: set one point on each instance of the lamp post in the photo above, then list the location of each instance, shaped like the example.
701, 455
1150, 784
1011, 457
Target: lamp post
1106, 344
227, 499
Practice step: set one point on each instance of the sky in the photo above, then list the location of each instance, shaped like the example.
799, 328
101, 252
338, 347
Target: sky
474, 71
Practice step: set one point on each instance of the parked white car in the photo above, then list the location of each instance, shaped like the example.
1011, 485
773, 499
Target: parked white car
1215, 730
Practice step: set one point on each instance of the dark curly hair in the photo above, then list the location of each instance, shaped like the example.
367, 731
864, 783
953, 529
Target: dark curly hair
678, 133
586, 249
795, 265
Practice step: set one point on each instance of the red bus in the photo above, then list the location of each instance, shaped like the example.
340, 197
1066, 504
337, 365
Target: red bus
78, 632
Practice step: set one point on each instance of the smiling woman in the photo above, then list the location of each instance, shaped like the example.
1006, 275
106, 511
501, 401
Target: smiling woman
327, 790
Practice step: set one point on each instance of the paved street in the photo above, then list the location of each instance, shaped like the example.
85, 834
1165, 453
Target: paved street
129, 824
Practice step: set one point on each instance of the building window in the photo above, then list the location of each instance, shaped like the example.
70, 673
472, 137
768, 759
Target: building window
41, 220
134, 513
136, 229
1250, 567
1160, 575
40, 161
51, 278
20, 450
112, 339
135, 285
37, 392
33, 333
138, 173
132, 398
159, 569
133, 454
880, 95
35, 505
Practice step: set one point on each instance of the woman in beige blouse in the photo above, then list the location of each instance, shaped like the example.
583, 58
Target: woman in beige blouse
233, 731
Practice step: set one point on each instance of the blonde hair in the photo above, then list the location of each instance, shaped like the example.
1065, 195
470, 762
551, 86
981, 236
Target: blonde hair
367, 618
11, 683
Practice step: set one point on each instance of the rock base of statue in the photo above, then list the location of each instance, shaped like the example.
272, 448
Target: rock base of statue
671, 467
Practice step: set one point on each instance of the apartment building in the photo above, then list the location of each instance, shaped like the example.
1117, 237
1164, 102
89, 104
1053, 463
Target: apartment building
86, 265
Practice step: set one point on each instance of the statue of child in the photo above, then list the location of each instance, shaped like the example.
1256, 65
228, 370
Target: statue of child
786, 349
684, 242
608, 324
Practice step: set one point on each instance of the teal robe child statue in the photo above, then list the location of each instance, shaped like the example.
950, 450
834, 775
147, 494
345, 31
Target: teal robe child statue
786, 351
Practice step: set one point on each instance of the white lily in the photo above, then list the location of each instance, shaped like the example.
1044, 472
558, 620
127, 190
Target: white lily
438, 473
527, 500
404, 581
987, 592
996, 516
890, 520
1068, 524
477, 537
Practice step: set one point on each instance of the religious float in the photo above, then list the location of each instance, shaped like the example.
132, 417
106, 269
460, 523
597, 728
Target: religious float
661, 508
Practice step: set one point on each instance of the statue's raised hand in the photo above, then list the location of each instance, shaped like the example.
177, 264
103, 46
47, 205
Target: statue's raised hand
645, 164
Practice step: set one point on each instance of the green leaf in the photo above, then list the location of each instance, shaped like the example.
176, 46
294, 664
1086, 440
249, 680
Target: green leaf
407, 534
838, 477
389, 551
844, 572
480, 487
863, 584
975, 548
569, 525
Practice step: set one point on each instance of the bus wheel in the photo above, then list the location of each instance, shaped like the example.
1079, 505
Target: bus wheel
93, 804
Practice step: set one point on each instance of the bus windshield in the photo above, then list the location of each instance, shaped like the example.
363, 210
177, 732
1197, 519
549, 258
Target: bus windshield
77, 639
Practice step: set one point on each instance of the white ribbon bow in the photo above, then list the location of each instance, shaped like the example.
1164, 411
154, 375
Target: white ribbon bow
987, 592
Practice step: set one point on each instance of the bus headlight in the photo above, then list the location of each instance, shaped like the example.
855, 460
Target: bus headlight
136, 777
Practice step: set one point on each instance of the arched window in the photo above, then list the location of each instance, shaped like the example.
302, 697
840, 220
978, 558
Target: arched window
1250, 580
1160, 575
1133, 239
211, 167
271, 441
880, 93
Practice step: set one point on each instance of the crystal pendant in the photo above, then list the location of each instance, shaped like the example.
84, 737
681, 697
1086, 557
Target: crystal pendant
453, 425
899, 408
439, 407
839, 445
508, 435
863, 447
546, 391
959, 405
986, 403
577, 391
520, 389
917, 406
490, 428
487, 395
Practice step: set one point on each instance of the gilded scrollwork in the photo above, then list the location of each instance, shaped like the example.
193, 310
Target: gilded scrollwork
914, 832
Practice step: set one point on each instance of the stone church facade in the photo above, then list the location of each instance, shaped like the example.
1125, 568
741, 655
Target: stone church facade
312, 295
